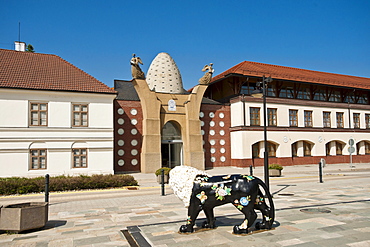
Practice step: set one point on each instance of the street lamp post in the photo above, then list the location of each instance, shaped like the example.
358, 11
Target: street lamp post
257, 93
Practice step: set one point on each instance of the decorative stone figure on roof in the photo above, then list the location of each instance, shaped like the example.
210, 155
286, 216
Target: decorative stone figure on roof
136, 71
208, 75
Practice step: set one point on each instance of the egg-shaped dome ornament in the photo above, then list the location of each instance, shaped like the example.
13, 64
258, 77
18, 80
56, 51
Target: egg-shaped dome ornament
164, 76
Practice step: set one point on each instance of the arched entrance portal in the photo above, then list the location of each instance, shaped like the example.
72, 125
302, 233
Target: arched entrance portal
171, 148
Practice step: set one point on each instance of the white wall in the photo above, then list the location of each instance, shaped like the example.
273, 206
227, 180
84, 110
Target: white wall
242, 141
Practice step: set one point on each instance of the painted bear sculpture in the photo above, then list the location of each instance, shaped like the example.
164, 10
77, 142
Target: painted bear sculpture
199, 191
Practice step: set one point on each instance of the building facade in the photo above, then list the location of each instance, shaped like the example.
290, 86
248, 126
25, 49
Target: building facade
56, 119
310, 115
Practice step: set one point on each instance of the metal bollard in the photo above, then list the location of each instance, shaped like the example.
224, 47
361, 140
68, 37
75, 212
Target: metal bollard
162, 182
251, 170
320, 172
47, 188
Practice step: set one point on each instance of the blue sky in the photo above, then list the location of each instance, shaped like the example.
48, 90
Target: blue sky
100, 36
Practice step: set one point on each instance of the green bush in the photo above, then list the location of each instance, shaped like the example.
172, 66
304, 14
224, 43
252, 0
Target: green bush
166, 171
16, 185
275, 166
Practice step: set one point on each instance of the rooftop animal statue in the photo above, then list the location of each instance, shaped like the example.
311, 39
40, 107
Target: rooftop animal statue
200, 191
208, 75
136, 71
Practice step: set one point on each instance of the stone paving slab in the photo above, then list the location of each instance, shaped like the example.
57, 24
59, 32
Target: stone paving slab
97, 218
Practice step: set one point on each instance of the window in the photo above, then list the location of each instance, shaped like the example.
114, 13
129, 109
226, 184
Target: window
326, 119
367, 148
356, 120
307, 148
39, 114
340, 123
293, 118
294, 149
367, 121
271, 148
272, 117
327, 148
79, 115
256, 150
308, 118
38, 159
255, 116
79, 157
338, 148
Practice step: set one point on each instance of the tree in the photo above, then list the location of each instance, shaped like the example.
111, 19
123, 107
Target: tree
30, 48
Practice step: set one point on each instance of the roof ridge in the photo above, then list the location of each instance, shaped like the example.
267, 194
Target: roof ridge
308, 70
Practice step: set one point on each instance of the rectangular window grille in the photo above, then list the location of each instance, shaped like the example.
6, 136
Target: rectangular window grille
80, 113
294, 149
307, 148
271, 148
38, 114
356, 120
79, 157
338, 148
272, 117
38, 159
293, 118
340, 123
326, 119
308, 118
255, 116
367, 148
367, 121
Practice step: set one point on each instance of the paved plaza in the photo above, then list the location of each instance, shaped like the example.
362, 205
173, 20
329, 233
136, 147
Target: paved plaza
308, 213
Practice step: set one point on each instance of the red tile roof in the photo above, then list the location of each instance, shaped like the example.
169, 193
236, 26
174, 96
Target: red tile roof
26, 70
301, 75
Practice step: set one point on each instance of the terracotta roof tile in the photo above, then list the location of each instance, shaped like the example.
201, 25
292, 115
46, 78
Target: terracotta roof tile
294, 74
25, 70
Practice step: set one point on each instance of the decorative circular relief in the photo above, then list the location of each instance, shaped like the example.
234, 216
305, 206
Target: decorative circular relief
134, 131
121, 121
133, 121
133, 112
213, 142
120, 111
213, 150
212, 123
121, 162
221, 115
134, 142
320, 139
222, 132
211, 115
221, 123
120, 131
121, 152
285, 139
212, 132
222, 150
134, 162
223, 158
201, 123
134, 152
222, 142
201, 114
213, 159
202, 132
121, 143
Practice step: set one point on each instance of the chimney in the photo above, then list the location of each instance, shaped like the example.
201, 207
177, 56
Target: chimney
20, 46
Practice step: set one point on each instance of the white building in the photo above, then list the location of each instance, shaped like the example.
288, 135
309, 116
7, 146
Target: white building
55, 118
311, 115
